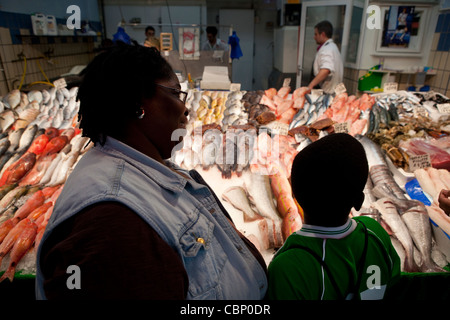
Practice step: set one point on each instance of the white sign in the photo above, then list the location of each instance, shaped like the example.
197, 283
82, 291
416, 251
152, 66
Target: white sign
340, 88
60, 83
342, 127
286, 82
390, 87
444, 107
419, 162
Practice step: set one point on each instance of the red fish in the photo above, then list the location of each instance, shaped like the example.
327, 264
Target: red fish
33, 202
39, 144
40, 211
55, 145
18, 169
37, 172
51, 132
12, 237
21, 246
6, 226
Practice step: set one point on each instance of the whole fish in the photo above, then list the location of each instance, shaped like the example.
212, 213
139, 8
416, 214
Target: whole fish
238, 198
10, 198
21, 246
27, 137
55, 145
51, 168
38, 145
8, 159
8, 213
66, 163
13, 98
260, 194
4, 145
7, 119
12, 236
390, 215
34, 176
418, 223
35, 95
18, 169
35, 201
5, 227
40, 211
14, 139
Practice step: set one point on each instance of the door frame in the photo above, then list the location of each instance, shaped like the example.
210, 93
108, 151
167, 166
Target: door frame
345, 32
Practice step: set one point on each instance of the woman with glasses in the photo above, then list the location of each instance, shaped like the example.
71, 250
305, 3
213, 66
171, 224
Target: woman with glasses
129, 224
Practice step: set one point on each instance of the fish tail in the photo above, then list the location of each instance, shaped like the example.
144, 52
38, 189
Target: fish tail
9, 274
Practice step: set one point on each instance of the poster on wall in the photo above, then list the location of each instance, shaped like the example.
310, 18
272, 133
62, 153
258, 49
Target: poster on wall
189, 43
402, 30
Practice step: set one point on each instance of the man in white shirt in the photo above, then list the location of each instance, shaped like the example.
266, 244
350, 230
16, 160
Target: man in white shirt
328, 69
213, 42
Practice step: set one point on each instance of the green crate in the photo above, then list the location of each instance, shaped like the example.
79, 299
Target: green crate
370, 81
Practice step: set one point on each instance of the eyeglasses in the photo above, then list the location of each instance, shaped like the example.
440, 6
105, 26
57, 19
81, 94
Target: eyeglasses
182, 95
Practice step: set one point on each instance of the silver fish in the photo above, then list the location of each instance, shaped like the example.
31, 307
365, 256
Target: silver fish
14, 139
238, 198
13, 98
27, 137
390, 215
35, 95
7, 119
418, 223
66, 163
260, 194
4, 145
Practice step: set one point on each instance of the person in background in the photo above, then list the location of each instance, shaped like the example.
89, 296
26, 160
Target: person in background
328, 69
135, 225
332, 256
150, 39
213, 42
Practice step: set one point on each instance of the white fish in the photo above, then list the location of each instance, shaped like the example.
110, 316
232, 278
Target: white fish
238, 198
418, 222
27, 137
35, 95
260, 194
7, 119
73, 92
14, 139
390, 215
45, 96
59, 176
13, 98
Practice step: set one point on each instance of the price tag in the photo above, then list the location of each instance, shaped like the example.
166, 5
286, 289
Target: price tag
390, 87
286, 82
420, 111
444, 107
342, 127
340, 88
235, 87
316, 92
60, 83
419, 162
279, 128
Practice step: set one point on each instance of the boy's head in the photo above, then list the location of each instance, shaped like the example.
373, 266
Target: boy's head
328, 179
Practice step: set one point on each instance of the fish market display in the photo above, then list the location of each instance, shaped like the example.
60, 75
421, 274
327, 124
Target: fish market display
39, 146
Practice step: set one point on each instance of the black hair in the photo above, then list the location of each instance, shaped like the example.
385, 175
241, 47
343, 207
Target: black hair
212, 30
328, 177
149, 28
114, 84
325, 26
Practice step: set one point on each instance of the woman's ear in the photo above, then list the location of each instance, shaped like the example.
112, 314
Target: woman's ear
359, 200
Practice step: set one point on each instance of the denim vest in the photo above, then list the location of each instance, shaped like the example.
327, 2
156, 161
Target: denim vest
182, 211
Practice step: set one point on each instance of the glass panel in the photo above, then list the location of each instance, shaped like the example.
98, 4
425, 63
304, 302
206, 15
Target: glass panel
355, 32
334, 14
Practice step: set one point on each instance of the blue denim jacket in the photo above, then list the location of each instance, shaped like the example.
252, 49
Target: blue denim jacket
180, 210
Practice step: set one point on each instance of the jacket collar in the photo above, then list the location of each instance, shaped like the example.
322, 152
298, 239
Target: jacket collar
156, 171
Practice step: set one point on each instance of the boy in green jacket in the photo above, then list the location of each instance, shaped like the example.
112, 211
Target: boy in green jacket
332, 256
